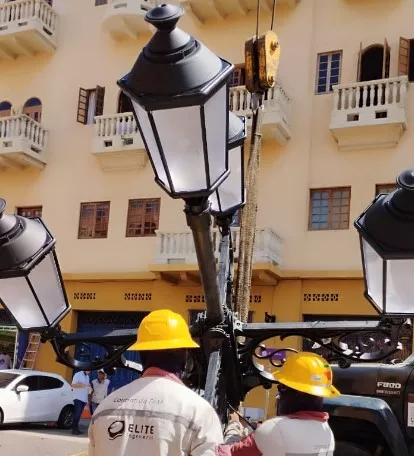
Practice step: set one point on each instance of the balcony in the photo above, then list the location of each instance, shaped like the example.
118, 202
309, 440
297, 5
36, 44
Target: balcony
277, 111
177, 251
369, 115
118, 144
27, 27
22, 142
205, 10
125, 18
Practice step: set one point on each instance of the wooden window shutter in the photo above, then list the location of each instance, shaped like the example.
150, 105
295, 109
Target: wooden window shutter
404, 57
359, 63
83, 102
386, 60
100, 98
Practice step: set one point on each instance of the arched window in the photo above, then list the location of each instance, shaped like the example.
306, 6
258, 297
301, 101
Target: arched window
372, 63
33, 109
124, 103
5, 109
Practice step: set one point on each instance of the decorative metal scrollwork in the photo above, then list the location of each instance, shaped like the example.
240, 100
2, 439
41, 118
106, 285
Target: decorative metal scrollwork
345, 342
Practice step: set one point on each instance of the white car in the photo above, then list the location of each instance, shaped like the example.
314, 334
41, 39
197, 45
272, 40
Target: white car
28, 396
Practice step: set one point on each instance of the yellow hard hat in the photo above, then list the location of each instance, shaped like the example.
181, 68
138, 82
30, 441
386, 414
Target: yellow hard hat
163, 330
308, 373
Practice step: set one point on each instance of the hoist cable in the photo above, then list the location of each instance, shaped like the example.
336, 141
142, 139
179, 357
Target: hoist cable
273, 15
257, 18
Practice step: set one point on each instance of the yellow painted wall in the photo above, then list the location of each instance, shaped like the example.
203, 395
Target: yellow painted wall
286, 301
310, 159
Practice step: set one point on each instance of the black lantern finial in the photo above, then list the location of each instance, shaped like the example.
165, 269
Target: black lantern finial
164, 17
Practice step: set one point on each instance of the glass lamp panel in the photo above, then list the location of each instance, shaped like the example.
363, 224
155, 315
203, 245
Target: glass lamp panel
400, 287
230, 191
153, 150
19, 300
373, 274
215, 113
179, 130
48, 288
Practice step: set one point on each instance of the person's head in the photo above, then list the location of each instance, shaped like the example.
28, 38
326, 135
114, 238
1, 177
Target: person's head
163, 340
86, 372
304, 380
101, 375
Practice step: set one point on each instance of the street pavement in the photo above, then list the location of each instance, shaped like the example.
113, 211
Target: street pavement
41, 441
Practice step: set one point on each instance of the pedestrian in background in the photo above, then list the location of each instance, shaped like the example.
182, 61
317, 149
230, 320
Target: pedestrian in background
5, 360
100, 387
81, 387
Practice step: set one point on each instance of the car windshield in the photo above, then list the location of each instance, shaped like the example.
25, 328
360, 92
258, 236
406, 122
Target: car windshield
6, 378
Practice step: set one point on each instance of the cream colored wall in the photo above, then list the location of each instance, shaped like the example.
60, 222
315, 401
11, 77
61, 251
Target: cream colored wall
87, 56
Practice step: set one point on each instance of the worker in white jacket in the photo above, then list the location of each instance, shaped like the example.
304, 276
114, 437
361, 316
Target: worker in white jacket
301, 427
157, 415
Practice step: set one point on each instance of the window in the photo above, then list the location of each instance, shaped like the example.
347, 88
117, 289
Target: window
374, 62
5, 109
406, 58
31, 211
124, 103
32, 382
385, 188
100, 2
328, 71
94, 220
48, 383
329, 208
90, 104
143, 217
6, 379
33, 109
238, 78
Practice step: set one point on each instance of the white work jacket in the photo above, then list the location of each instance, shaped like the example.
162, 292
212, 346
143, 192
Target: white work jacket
301, 434
156, 415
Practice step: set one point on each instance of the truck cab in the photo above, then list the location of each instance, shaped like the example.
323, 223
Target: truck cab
375, 413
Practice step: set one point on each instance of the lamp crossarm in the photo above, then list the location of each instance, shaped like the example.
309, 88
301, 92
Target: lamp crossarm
114, 342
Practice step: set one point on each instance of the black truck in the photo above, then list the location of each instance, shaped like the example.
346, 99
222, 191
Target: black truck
374, 415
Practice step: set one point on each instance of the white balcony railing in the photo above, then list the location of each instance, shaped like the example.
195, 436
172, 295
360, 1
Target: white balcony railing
116, 125
118, 143
370, 104
241, 100
26, 10
277, 114
27, 27
367, 97
22, 142
178, 247
24, 128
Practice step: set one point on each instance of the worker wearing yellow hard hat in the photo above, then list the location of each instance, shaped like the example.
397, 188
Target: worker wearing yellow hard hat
157, 414
163, 330
307, 373
301, 426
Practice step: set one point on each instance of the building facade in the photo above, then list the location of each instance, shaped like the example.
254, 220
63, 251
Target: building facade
337, 130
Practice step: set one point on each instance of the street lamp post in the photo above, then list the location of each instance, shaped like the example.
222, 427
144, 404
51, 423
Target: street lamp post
179, 92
